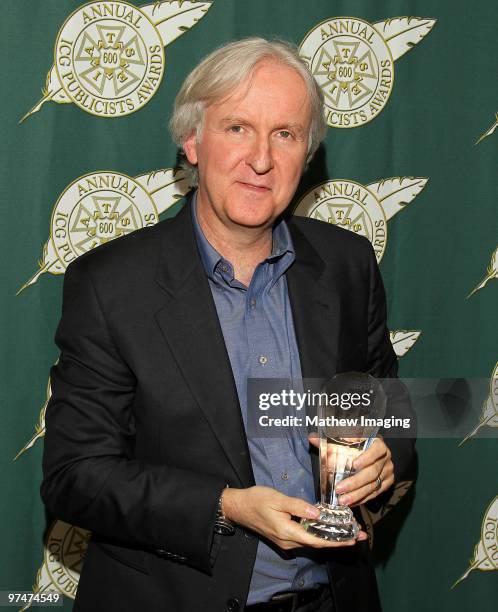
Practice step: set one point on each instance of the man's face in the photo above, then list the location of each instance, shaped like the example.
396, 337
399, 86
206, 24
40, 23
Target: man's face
252, 148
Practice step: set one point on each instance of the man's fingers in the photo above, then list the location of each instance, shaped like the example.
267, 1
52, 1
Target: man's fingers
314, 440
378, 450
288, 533
362, 536
386, 483
297, 534
268, 512
356, 489
360, 479
298, 507
367, 491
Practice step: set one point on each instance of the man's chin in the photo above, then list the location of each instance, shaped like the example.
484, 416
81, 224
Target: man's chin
253, 212
253, 221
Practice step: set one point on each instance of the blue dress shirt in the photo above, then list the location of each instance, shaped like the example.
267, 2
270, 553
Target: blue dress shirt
258, 330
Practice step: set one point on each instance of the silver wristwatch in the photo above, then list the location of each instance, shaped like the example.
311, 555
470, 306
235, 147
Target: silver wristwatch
222, 524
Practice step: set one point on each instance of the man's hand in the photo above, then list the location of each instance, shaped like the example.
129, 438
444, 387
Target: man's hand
269, 513
372, 464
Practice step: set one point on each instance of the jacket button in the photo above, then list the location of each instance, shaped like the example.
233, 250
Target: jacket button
233, 604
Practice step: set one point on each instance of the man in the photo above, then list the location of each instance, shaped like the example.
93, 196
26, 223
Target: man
145, 441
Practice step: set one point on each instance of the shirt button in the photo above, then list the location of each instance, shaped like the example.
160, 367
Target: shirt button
300, 583
253, 302
284, 476
263, 360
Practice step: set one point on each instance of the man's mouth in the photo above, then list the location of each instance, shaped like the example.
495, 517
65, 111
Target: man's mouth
255, 187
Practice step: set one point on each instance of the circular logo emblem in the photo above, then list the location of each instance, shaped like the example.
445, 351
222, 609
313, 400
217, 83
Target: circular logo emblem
96, 208
109, 58
489, 535
354, 68
493, 391
350, 205
65, 550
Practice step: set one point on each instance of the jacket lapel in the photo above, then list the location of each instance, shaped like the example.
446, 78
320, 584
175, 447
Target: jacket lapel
315, 309
316, 313
190, 326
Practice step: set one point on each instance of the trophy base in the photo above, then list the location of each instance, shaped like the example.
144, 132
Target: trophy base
337, 524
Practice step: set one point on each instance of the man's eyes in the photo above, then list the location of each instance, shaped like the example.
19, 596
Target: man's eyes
240, 129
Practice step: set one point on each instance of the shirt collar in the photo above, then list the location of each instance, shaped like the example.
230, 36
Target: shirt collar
282, 246
209, 255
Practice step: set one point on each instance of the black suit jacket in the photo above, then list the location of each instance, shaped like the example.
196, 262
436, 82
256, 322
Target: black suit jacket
144, 427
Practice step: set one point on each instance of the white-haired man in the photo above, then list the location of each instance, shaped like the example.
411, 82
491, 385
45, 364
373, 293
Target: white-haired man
145, 442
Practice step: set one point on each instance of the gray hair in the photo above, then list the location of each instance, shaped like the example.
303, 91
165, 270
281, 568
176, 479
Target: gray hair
221, 72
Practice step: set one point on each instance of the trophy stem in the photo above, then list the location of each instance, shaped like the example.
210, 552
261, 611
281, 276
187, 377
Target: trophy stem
323, 470
343, 435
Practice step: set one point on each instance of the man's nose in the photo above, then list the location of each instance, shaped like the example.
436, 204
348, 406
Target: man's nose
259, 156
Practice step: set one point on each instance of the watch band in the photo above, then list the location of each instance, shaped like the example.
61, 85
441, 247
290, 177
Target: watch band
222, 524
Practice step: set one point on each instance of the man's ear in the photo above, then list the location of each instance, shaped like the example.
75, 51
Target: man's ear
190, 147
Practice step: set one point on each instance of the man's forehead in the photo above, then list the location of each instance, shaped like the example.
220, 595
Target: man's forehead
269, 80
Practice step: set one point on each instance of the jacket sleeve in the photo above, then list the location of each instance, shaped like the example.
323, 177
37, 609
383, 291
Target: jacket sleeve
91, 477
383, 364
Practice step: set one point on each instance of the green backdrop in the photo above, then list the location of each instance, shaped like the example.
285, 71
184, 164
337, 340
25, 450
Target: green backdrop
444, 97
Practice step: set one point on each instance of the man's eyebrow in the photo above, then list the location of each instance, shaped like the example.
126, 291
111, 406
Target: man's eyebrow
237, 119
293, 126
234, 119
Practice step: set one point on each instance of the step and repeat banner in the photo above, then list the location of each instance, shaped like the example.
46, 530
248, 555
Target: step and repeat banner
410, 161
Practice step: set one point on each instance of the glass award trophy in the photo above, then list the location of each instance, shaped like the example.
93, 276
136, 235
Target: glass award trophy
349, 413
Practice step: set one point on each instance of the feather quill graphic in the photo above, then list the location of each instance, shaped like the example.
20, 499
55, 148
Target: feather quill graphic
403, 33
395, 193
403, 340
492, 272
